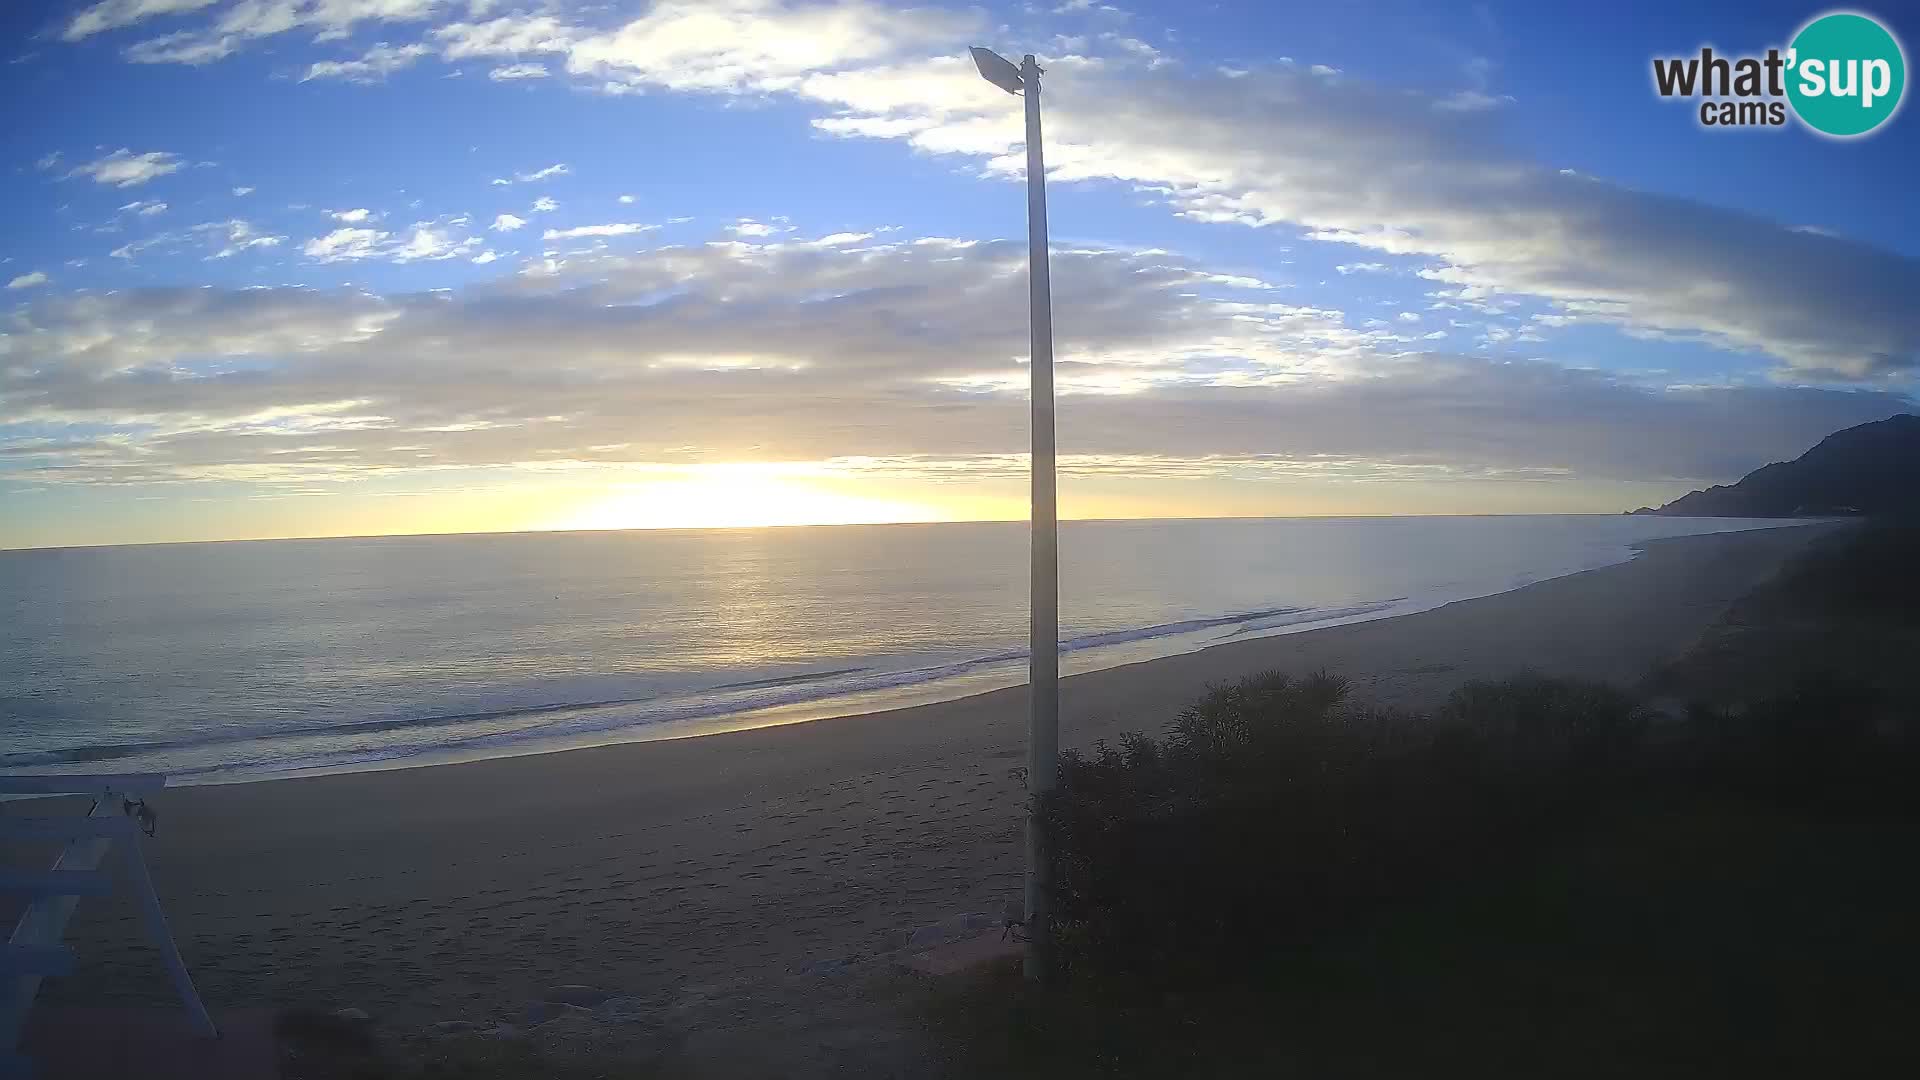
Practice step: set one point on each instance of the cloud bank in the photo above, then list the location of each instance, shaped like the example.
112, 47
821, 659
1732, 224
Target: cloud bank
905, 357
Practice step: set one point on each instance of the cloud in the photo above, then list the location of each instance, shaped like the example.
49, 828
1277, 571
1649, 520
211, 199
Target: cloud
757, 46
514, 35
378, 62
124, 168
114, 14
235, 236
1380, 169
557, 169
485, 257
144, 209
1472, 101
242, 192
346, 244
1362, 268
507, 223
423, 241
750, 227
133, 248
432, 245
234, 27
723, 46
29, 280
545, 205
352, 217
182, 48
617, 229
897, 357
720, 46
625, 200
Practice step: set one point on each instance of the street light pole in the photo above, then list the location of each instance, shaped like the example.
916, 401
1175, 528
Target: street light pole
1043, 729
1043, 736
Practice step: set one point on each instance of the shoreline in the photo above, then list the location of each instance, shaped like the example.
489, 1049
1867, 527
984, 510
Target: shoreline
948, 682
456, 889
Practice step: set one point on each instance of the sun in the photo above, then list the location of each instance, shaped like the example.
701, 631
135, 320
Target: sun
738, 496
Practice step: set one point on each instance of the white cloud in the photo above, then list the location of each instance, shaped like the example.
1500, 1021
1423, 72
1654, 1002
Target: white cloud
352, 217
514, 35
114, 14
556, 169
133, 248
485, 257
545, 205
432, 244
183, 48
242, 192
378, 62
145, 208
235, 236
615, 229
750, 227
1381, 169
423, 241
626, 200
507, 223
345, 244
1472, 101
124, 168
841, 239
513, 72
731, 46
1362, 268
27, 281
758, 45
234, 27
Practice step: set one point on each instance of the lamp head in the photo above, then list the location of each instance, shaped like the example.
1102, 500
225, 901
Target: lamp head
998, 70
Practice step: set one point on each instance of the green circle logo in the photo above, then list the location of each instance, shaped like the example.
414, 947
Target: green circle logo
1846, 74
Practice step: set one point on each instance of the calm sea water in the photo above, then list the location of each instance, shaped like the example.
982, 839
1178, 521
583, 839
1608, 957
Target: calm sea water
241, 660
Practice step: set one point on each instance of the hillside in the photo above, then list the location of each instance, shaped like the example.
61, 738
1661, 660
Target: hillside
1870, 469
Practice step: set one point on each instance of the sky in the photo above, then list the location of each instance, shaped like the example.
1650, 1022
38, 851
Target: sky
349, 267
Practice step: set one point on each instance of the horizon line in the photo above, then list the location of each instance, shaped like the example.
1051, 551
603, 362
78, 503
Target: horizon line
743, 528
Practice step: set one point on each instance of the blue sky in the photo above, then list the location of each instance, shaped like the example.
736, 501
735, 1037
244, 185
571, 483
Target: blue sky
309, 267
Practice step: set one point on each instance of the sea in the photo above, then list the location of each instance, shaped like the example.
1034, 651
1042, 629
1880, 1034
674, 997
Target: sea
236, 661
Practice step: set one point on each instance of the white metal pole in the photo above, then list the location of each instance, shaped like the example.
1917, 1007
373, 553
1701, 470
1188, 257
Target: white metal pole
1043, 735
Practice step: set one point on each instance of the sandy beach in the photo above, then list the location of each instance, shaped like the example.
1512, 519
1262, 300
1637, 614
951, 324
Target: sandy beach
460, 890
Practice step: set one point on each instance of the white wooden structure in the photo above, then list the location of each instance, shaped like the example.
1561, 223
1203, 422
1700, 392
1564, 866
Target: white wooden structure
37, 949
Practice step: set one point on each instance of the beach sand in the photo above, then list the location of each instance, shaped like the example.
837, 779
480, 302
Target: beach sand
464, 890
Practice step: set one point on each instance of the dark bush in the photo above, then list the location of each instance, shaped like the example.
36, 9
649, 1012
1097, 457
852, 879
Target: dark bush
1866, 572
1549, 727
1825, 744
1273, 812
